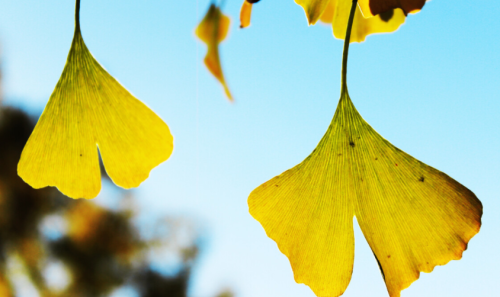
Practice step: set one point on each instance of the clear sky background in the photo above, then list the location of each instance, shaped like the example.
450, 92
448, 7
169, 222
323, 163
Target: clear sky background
431, 88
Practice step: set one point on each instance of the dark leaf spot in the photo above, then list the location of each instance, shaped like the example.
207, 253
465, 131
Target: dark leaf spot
351, 143
386, 15
421, 179
388, 256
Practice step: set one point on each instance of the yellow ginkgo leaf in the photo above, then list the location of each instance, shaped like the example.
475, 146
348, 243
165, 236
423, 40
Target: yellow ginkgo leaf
337, 13
413, 216
88, 110
212, 30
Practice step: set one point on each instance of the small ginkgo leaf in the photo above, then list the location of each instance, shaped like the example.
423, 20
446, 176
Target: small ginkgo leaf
88, 110
337, 13
374, 7
212, 30
413, 216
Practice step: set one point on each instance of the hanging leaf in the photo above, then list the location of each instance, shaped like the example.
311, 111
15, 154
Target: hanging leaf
337, 13
212, 30
246, 13
413, 216
90, 109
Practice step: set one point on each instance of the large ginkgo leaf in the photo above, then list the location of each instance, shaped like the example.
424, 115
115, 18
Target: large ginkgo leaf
413, 216
88, 110
212, 30
337, 13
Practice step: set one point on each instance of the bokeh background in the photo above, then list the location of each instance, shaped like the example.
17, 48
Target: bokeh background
431, 88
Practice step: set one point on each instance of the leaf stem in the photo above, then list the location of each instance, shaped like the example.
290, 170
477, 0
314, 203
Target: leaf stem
346, 44
77, 14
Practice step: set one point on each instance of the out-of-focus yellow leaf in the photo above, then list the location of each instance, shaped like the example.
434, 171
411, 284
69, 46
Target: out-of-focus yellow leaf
83, 218
413, 216
5, 287
31, 251
212, 30
374, 7
337, 13
245, 14
90, 109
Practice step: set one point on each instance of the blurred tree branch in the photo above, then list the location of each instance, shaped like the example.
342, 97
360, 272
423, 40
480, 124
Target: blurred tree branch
100, 249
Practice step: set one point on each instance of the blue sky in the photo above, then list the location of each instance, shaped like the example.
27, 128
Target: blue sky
431, 88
